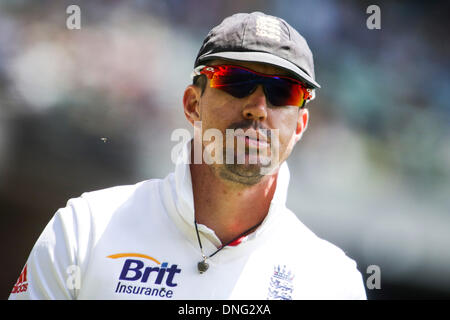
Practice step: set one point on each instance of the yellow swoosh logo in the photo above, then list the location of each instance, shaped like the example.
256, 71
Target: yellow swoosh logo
134, 255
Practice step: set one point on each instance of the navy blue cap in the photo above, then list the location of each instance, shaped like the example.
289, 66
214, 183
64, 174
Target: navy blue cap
257, 37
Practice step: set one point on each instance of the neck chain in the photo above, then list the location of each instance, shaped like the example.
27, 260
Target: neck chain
203, 265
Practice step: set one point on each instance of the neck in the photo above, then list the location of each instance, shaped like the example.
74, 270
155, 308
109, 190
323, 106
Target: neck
229, 208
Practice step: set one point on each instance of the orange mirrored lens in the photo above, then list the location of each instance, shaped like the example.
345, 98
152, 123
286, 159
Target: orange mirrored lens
240, 82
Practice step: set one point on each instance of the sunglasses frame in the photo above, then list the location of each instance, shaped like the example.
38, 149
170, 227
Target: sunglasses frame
209, 72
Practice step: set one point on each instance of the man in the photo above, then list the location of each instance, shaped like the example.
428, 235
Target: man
212, 229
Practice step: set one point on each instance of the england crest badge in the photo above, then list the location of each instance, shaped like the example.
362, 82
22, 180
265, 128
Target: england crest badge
281, 284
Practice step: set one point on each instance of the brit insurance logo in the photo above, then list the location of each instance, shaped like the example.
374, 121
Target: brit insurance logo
281, 286
144, 275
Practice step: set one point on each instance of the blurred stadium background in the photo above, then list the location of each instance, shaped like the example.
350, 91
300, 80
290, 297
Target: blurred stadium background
370, 175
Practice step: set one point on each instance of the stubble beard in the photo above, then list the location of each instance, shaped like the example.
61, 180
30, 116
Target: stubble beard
242, 173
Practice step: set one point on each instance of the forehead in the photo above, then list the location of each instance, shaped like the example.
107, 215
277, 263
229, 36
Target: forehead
255, 66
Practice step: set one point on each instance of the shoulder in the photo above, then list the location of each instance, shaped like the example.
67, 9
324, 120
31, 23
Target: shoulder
110, 199
115, 196
320, 257
90, 213
300, 235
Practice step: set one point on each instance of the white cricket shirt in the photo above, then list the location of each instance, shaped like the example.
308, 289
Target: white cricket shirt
139, 242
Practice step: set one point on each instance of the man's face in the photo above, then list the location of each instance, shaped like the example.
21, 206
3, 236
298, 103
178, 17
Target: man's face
253, 114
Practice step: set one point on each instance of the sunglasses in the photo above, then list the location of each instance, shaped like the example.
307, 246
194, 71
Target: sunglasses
241, 82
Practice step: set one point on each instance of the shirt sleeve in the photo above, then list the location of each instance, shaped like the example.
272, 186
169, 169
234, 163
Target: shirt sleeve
54, 267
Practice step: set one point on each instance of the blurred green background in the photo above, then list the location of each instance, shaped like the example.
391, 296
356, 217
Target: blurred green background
371, 174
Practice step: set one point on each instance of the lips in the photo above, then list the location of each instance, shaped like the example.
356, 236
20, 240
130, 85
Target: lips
255, 143
254, 139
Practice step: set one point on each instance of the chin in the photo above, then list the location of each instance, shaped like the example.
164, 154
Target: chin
246, 174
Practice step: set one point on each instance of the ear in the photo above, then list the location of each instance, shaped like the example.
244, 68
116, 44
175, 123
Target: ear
302, 123
191, 103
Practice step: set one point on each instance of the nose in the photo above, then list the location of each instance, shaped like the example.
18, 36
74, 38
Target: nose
255, 107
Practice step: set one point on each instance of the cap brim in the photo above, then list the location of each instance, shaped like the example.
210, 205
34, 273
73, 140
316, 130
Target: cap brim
262, 57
